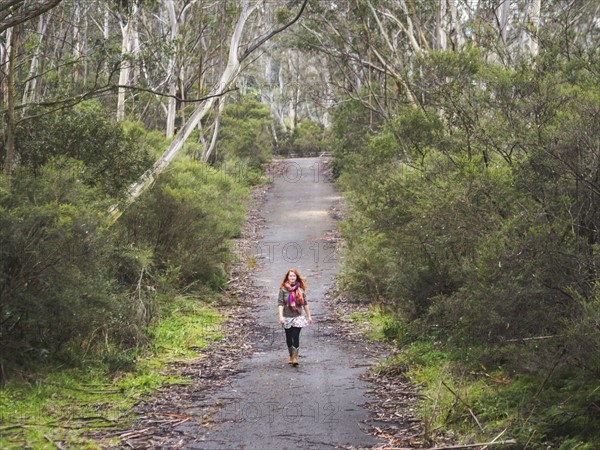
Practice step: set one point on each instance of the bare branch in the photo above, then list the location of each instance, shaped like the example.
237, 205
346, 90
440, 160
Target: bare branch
273, 33
15, 12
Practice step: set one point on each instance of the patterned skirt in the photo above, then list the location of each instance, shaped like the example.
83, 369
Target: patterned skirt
299, 322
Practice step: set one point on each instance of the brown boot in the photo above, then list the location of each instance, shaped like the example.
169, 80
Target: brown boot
294, 358
291, 355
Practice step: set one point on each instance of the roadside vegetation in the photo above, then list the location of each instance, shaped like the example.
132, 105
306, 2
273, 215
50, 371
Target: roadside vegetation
93, 312
473, 228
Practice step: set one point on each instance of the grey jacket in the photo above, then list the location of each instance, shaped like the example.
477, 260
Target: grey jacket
283, 301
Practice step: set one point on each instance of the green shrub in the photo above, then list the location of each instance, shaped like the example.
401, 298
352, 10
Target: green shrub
245, 134
307, 138
57, 294
187, 221
113, 155
350, 129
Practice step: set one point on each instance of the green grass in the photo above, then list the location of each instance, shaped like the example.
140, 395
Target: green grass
188, 327
381, 325
64, 405
476, 403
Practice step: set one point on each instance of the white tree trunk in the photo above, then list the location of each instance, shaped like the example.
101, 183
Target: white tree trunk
29, 90
408, 30
172, 78
293, 92
503, 20
529, 35
4, 60
215, 135
536, 11
441, 26
77, 42
106, 24
125, 68
274, 87
230, 73
457, 34
227, 77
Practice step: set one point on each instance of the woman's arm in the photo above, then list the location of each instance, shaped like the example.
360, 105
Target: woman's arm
308, 317
280, 312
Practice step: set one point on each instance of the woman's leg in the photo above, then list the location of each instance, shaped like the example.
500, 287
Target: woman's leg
295, 344
289, 341
296, 336
289, 337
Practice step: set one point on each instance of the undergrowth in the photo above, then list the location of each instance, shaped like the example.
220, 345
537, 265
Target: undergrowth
60, 406
461, 397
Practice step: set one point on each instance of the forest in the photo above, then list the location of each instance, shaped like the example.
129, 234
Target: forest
465, 137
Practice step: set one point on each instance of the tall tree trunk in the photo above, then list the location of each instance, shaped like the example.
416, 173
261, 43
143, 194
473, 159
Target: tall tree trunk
456, 33
172, 78
220, 104
536, 10
29, 90
529, 34
9, 159
272, 92
503, 20
106, 24
280, 106
125, 68
293, 99
230, 73
418, 25
77, 42
441, 42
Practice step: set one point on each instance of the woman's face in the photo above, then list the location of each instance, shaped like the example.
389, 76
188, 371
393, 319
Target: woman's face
292, 277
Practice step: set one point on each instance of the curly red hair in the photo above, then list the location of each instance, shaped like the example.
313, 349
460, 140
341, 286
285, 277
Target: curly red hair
299, 279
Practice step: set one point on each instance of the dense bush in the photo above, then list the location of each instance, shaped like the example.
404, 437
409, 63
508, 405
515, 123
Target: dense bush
470, 223
475, 220
245, 135
187, 221
351, 126
112, 154
71, 286
306, 139
56, 293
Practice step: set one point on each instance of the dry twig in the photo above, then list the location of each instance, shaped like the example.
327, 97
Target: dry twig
466, 405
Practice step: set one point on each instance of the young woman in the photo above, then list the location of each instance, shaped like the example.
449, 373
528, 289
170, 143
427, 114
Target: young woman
291, 306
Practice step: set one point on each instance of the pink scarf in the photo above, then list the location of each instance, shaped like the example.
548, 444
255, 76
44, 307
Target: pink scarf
295, 297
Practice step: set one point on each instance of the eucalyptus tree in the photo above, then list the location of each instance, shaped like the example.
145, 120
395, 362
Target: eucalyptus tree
12, 14
372, 45
294, 82
50, 65
240, 48
127, 23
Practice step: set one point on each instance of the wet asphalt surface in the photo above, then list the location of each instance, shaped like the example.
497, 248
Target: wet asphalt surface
271, 405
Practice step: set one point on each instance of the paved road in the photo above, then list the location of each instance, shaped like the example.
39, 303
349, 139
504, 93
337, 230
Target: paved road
271, 405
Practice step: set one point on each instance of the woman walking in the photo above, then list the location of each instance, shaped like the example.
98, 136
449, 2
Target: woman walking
291, 306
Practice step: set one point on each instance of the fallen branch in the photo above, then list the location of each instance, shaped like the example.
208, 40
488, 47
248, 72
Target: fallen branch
482, 444
535, 338
136, 433
495, 439
10, 427
466, 405
176, 424
56, 444
94, 418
